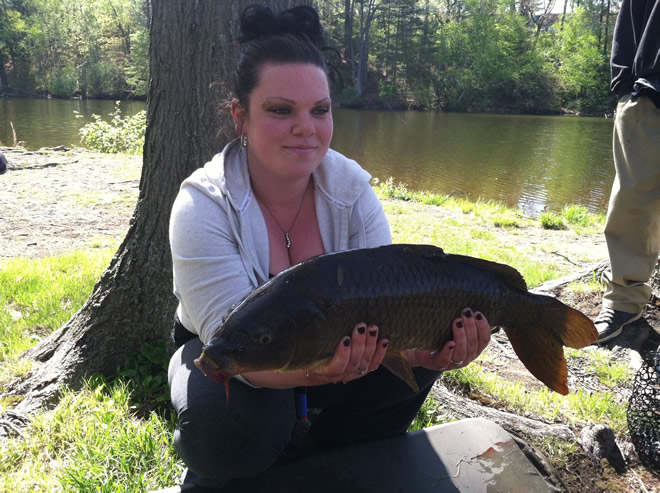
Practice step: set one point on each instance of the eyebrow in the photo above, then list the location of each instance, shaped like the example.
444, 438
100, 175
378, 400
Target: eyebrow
291, 101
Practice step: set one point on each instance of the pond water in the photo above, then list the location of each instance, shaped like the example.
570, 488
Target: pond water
532, 162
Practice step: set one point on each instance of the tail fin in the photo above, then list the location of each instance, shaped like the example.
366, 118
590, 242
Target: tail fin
540, 344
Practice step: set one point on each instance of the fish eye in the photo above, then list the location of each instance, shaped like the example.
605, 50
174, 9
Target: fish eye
264, 339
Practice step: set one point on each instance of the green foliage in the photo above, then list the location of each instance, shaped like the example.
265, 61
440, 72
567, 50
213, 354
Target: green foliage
577, 215
104, 79
351, 98
137, 65
145, 374
63, 87
550, 220
120, 135
60, 46
388, 91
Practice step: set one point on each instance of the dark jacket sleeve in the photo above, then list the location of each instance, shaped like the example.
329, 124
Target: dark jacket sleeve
635, 45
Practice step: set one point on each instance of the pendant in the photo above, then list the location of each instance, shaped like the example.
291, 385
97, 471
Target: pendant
288, 241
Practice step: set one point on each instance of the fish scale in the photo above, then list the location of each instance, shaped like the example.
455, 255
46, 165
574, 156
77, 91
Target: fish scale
412, 292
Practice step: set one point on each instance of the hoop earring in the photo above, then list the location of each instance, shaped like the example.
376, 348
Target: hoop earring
244, 141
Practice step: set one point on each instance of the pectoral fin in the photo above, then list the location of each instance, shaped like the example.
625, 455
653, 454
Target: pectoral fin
398, 364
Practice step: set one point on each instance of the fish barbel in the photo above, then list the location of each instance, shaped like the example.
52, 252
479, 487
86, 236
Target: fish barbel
411, 292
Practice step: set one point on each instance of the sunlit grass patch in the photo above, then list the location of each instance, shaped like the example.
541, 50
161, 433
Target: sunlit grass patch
550, 220
584, 288
610, 373
38, 296
577, 406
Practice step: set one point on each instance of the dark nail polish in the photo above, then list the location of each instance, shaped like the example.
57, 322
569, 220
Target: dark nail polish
385, 343
373, 332
459, 324
347, 341
478, 316
361, 329
468, 313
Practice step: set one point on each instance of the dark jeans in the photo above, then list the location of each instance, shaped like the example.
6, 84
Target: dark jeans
219, 443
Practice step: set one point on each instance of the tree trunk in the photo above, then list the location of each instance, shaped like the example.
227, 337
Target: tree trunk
3, 75
366, 19
349, 49
191, 48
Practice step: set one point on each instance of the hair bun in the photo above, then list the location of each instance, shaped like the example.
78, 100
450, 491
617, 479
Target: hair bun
258, 21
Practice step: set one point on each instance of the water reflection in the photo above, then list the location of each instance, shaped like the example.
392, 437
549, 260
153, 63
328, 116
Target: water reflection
526, 161
531, 162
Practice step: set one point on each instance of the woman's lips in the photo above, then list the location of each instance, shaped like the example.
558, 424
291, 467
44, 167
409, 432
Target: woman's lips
301, 149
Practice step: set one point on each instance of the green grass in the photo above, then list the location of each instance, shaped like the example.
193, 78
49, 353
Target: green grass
116, 434
612, 374
579, 406
38, 296
92, 441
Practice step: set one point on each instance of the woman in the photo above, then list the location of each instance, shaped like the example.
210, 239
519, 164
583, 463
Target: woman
274, 197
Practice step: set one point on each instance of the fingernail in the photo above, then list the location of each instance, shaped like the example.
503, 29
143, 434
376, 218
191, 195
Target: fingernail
478, 316
459, 324
361, 329
468, 313
433, 353
373, 332
452, 345
347, 341
386, 343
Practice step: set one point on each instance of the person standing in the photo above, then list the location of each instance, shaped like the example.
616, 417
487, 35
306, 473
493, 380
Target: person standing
632, 229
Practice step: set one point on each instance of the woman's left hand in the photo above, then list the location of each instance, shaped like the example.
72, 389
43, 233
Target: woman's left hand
471, 333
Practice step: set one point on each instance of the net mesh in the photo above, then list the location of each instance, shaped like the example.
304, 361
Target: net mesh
644, 412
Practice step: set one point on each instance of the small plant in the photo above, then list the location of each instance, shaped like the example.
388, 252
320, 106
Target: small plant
610, 373
428, 415
146, 374
576, 215
120, 135
550, 220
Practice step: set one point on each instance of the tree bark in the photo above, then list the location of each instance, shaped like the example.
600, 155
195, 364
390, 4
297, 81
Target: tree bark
366, 18
3, 74
192, 48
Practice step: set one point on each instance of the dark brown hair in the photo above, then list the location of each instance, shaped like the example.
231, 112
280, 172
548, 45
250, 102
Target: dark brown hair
292, 36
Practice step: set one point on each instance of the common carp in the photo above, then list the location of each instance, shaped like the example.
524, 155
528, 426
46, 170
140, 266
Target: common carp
411, 292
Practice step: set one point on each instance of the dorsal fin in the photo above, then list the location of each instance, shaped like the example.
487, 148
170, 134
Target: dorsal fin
508, 274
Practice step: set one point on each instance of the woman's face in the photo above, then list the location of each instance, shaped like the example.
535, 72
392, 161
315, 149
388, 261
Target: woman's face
289, 121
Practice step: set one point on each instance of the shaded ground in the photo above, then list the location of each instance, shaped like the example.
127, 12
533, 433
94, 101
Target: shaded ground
58, 201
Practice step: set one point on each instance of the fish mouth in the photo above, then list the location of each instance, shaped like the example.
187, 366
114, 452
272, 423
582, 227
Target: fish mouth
212, 369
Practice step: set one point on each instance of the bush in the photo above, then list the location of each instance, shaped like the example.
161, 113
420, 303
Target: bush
104, 79
120, 135
63, 86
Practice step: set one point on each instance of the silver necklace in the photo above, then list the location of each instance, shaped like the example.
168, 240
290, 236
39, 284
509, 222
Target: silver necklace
287, 239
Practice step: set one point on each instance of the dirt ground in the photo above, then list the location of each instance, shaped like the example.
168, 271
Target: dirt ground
57, 201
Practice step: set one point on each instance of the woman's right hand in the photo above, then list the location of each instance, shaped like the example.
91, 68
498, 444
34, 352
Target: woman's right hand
355, 356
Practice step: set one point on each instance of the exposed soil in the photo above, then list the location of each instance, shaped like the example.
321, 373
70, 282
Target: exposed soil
57, 201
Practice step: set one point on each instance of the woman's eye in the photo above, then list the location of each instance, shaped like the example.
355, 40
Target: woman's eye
280, 111
321, 111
